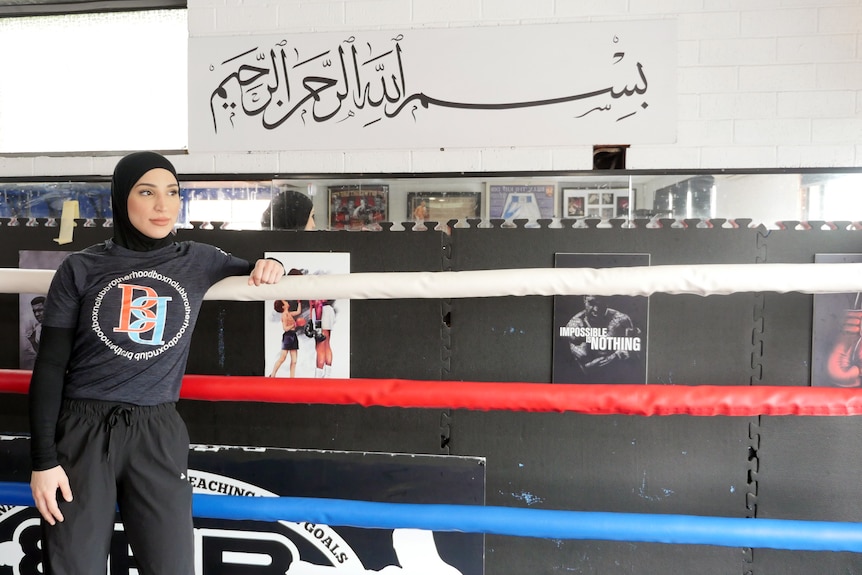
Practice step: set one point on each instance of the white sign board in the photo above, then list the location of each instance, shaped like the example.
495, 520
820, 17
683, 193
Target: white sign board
536, 85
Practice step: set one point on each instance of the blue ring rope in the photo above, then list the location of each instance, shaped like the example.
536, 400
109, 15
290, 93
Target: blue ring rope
520, 522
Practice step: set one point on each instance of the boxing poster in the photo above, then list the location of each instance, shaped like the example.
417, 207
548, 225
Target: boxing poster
308, 338
600, 339
224, 547
31, 306
836, 338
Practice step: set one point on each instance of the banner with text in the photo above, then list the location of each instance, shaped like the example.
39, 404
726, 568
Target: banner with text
533, 85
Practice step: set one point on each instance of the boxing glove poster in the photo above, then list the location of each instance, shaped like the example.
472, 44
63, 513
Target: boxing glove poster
600, 339
308, 338
836, 338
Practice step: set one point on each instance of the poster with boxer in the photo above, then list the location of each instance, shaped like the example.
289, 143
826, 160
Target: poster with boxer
308, 338
224, 547
31, 306
836, 338
600, 339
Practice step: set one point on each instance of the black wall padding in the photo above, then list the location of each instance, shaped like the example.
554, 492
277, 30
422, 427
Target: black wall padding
778, 467
607, 463
648, 465
807, 467
692, 339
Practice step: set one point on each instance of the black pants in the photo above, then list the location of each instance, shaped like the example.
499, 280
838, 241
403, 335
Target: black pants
132, 456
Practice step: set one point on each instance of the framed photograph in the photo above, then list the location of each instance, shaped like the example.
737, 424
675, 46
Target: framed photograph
441, 207
622, 210
600, 204
574, 203
358, 207
595, 203
522, 201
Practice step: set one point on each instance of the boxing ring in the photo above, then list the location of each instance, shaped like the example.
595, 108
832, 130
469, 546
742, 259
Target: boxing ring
635, 400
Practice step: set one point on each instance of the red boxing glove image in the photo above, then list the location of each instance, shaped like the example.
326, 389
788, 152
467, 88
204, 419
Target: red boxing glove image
845, 360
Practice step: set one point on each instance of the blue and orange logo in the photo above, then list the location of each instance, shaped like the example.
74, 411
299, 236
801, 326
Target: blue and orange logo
142, 312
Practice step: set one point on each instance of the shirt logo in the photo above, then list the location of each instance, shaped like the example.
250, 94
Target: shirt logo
143, 314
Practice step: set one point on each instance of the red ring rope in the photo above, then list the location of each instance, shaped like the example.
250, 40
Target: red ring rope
624, 399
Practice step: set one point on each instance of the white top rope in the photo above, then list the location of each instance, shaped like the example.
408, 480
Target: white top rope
709, 279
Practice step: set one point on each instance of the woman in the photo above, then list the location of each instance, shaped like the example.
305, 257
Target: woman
289, 339
115, 340
288, 210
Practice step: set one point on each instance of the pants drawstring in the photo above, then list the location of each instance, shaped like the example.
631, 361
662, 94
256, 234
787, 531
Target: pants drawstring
119, 412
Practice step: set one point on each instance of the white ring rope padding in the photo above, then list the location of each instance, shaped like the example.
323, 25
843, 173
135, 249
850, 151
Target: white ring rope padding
705, 279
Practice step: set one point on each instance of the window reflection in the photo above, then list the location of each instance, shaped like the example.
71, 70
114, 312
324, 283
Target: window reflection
832, 199
235, 205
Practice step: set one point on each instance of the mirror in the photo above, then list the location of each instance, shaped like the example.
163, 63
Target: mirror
568, 199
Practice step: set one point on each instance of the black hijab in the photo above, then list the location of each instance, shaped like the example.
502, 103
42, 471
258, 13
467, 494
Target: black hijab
288, 210
126, 174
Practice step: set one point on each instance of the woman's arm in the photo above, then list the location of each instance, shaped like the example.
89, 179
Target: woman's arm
45, 399
46, 394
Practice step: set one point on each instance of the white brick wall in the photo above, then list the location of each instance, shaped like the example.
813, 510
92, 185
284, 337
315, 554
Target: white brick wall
762, 84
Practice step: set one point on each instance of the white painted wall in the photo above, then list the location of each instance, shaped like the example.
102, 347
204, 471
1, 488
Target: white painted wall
762, 84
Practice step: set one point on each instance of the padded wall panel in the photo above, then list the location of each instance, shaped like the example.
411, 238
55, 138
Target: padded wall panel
696, 340
609, 463
692, 339
807, 467
511, 555
782, 562
346, 428
9, 329
678, 465
13, 413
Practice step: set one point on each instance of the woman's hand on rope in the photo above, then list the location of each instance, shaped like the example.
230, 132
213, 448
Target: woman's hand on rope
268, 271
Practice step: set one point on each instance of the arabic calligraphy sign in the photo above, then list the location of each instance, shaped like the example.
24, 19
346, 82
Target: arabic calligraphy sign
539, 85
